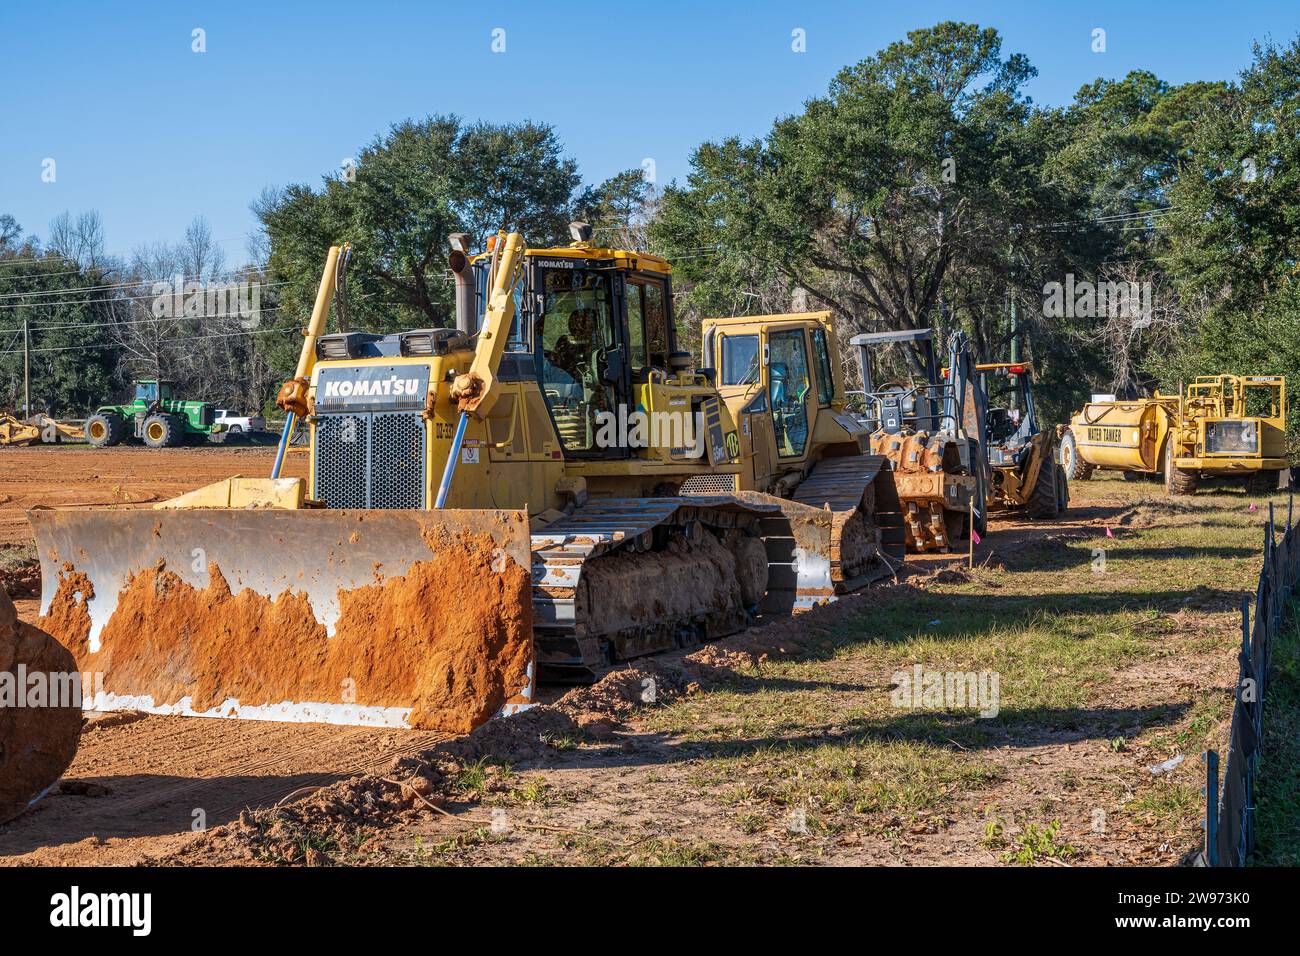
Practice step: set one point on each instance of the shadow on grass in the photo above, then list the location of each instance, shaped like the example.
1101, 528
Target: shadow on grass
958, 732
911, 612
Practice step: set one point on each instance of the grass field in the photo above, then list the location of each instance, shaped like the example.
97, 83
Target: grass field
1113, 654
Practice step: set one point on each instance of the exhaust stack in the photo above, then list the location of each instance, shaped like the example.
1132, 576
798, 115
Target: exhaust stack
458, 261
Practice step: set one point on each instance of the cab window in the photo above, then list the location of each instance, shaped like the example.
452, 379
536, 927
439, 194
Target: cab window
825, 383
574, 336
517, 337
739, 359
788, 388
656, 324
636, 350
647, 324
146, 391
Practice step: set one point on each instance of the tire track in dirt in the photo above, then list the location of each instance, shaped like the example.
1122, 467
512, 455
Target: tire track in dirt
160, 771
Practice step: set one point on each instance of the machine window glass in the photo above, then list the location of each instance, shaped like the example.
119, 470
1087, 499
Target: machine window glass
788, 387
1008, 419
636, 325
739, 359
518, 340
825, 381
574, 339
146, 391
656, 323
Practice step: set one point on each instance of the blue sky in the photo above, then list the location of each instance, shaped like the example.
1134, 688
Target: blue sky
152, 134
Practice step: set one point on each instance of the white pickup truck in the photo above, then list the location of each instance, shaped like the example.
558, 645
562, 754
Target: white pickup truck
239, 423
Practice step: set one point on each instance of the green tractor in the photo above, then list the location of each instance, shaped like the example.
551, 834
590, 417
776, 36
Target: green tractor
156, 417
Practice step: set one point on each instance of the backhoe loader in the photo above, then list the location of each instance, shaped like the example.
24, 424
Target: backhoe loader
551, 483
932, 430
1021, 452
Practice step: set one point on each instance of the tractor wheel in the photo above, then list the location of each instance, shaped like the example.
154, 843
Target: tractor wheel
162, 431
1262, 482
1075, 468
105, 429
1062, 491
1043, 500
1178, 481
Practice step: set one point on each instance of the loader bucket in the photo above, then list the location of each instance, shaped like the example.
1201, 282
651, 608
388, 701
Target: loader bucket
370, 618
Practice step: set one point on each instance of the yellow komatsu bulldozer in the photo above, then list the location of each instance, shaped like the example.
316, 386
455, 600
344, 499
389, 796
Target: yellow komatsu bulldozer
551, 484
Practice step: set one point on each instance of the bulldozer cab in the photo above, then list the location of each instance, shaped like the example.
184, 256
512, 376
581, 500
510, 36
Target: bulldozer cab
595, 329
602, 329
780, 378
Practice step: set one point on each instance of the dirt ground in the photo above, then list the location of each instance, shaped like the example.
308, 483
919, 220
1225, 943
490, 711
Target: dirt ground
776, 746
81, 476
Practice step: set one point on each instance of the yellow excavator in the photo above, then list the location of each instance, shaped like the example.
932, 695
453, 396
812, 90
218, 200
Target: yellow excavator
550, 484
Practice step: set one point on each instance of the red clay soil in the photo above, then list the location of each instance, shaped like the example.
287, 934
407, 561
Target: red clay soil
38, 734
123, 477
451, 639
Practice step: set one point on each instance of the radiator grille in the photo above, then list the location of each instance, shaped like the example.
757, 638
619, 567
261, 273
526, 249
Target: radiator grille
370, 460
1231, 436
709, 485
397, 461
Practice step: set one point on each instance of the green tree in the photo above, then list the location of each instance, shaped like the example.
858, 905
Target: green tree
407, 192
66, 310
913, 194
1233, 237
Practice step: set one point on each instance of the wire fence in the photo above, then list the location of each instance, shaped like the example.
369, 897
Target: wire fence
1230, 803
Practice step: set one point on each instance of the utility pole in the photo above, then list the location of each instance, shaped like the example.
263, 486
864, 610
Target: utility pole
27, 371
1015, 329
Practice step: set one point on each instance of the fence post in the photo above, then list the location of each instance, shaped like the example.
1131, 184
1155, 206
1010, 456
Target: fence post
1212, 807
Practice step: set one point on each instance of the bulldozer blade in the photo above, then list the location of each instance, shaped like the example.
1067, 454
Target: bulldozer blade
371, 618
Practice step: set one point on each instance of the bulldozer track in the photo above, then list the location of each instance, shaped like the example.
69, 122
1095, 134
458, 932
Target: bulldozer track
802, 536
561, 552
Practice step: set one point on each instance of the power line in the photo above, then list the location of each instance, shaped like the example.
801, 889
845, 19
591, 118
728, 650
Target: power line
153, 321
130, 284
117, 298
177, 341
